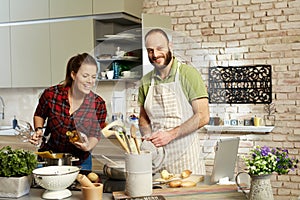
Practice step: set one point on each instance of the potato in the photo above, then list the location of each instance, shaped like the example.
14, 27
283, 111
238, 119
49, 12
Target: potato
186, 173
188, 184
93, 177
174, 184
166, 175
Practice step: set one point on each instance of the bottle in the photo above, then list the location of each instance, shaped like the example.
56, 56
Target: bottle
15, 122
74, 136
116, 69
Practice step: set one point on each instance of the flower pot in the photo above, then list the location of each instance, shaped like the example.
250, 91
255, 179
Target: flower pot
14, 187
260, 188
269, 120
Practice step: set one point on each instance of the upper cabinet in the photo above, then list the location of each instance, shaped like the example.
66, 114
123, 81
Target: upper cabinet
69, 38
4, 11
131, 7
67, 8
30, 55
5, 75
118, 45
29, 10
39, 40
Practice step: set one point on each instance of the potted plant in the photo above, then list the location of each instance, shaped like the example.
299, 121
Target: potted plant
16, 167
261, 163
270, 117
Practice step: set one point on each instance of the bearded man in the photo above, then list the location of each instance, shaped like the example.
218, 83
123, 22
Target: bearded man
173, 103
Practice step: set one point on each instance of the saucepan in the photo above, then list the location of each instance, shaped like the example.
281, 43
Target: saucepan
114, 171
58, 159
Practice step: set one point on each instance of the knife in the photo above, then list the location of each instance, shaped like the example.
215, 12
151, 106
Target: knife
159, 182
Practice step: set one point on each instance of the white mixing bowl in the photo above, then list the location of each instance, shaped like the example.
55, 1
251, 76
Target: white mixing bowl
56, 179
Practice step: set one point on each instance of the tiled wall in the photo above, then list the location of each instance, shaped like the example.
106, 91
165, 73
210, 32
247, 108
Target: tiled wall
246, 32
19, 102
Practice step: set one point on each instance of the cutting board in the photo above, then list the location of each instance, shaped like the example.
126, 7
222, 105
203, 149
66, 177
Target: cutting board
195, 178
202, 189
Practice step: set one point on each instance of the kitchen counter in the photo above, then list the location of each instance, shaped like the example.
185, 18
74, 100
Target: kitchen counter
200, 192
36, 194
224, 192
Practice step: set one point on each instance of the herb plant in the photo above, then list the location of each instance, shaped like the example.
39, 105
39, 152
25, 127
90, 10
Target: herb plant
16, 163
263, 160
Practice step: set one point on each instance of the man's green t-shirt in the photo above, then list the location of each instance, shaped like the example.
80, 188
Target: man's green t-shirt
190, 78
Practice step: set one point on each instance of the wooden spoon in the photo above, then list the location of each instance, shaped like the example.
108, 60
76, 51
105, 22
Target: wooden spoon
136, 140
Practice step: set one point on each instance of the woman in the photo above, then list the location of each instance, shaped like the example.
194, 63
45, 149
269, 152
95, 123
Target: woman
71, 106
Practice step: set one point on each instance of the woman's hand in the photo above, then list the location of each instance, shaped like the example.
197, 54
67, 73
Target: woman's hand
36, 137
84, 145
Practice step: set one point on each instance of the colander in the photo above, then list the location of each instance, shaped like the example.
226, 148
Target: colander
56, 180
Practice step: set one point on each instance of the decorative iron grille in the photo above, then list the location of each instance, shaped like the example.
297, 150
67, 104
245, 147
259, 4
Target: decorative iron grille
240, 85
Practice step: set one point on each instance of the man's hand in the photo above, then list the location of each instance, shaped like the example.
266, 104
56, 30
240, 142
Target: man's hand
162, 137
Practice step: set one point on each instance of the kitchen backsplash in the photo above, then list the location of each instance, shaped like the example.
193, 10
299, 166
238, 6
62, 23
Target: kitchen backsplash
21, 102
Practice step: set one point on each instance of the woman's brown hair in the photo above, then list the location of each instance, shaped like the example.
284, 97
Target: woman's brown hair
75, 63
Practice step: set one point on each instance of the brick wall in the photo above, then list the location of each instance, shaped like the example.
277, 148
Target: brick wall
246, 32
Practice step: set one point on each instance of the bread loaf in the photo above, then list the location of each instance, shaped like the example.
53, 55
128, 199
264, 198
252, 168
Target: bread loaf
166, 175
186, 173
174, 184
188, 184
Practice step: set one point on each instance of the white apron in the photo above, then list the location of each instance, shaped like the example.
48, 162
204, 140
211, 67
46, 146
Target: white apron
167, 107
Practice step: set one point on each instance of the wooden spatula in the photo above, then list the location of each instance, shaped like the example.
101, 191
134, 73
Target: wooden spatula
133, 136
122, 142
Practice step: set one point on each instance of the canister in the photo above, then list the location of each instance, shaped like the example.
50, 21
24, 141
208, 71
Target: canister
138, 174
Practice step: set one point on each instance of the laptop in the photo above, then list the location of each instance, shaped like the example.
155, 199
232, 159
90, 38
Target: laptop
226, 152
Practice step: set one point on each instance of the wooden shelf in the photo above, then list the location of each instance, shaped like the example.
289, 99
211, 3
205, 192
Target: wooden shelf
240, 129
137, 59
119, 80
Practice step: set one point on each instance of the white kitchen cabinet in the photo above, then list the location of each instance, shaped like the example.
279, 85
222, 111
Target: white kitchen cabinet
4, 11
30, 55
132, 7
67, 8
5, 75
69, 38
29, 10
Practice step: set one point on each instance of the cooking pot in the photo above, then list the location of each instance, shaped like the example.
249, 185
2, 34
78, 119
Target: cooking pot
115, 171
59, 159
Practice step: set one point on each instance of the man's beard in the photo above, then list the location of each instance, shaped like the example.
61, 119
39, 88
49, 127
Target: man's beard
168, 59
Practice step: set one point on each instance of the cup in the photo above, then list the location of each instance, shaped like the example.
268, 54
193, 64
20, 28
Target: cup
103, 75
110, 74
92, 193
126, 74
217, 121
138, 174
257, 121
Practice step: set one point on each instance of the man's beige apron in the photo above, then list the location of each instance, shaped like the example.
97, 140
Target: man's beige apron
167, 107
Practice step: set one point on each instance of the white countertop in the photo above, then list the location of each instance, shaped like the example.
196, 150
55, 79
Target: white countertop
6, 130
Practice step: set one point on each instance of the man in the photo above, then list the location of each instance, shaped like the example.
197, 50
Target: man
173, 105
